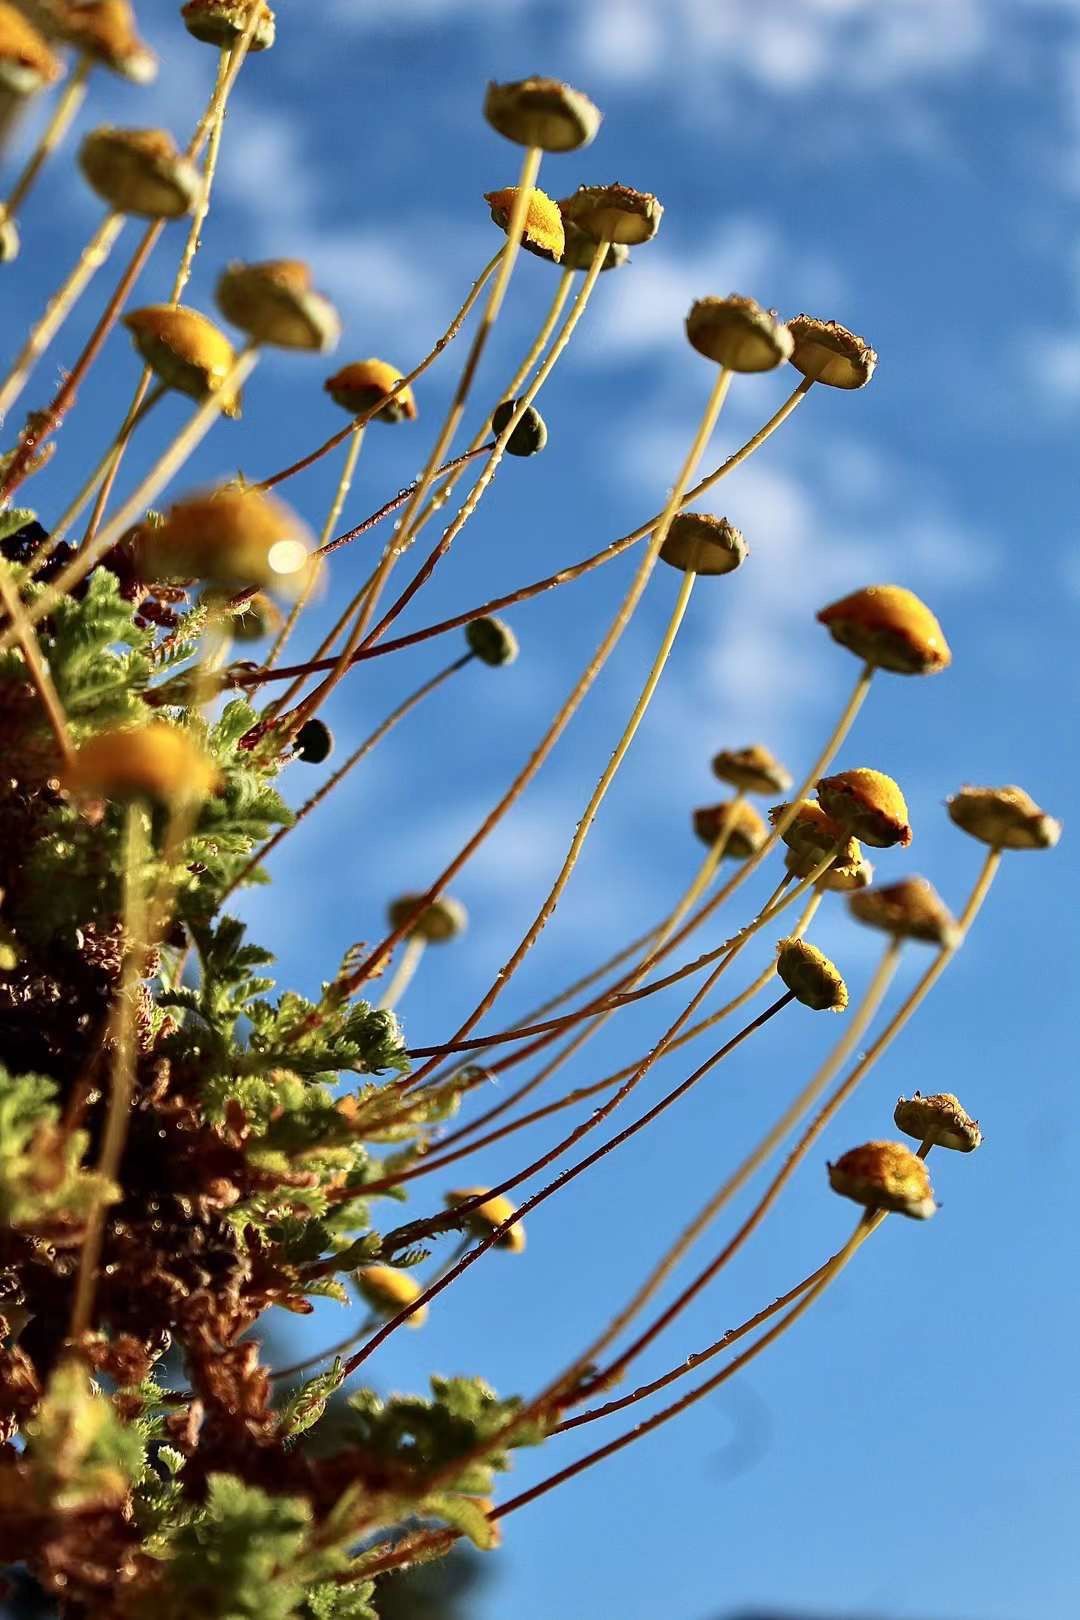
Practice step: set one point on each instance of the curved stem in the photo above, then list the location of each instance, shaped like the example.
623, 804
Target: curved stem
59, 307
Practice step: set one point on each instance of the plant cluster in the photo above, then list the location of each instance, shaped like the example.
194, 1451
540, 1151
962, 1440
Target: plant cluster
184, 1146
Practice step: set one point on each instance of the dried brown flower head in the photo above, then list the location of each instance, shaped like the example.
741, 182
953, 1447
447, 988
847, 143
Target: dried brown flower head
830, 354
543, 226
364, 383
812, 833
185, 350
579, 250
705, 544
140, 171
938, 1119
754, 769
614, 213
492, 641
738, 333
889, 627
105, 30
885, 1175
157, 761
274, 302
387, 1290
224, 22
867, 803
542, 112
854, 871
910, 909
487, 1216
814, 980
229, 536
748, 830
27, 64
1005, 817
442, 920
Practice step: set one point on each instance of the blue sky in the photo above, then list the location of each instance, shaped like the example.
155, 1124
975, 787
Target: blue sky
912, 168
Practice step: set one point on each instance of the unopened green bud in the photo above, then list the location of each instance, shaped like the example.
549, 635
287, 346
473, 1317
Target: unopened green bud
530, 434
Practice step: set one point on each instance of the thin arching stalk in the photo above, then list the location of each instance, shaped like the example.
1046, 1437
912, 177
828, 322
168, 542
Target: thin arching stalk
358, 753
70, 516
59, 307
38, 670
67, 106
404, 973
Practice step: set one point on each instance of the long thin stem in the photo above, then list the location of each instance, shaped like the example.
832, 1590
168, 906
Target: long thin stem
67, 105
23, 631
122, 1080
404, 973
59, 307
110, 458
358, 753
551, 581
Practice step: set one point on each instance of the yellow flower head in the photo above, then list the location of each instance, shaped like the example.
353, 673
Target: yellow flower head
808, 973
387, 1290
229, 536
705, 544
838, 879
542, 112
754, 769
868, 804
748, 831
885, 1175
185, 350
224, 22
614, 214
738, 333
830, 354
27, 64
938, 1119
140, 171
105, 30
813, 834
157, 761
889, 627
543, 229
487, 1216
274, 302
443, 919
910, 909
363, 384
1005, 817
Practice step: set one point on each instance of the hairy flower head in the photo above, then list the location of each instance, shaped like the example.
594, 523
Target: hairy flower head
140, 171
830, 354
910, 909
542, 112
748, 831
614, 213
1005, 817
27, 64
363, 384
812, 833
809, 974
938, 1119
185, 350
868, 804
274, 302
885, 1175
754, 769
225, 22
105, 30
738, 333
889, 627
543, 227
702, 543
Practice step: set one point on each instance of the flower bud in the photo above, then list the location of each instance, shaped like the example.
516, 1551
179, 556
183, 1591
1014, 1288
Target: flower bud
938, 1119
492, 641
752, 770
854, 871
543, 226
388, 1290
230, 536
274, 303
1006, 818
314, 742
140, 171
185, 350
530, 435
811, 977
699, 543
614, 214
27, 65
889, 627
885, 1175
542, 112
486, 1217
910, 909
580, 250
748, 831
225, 22
812, 833
738, 333
442, 920
868, 804
156, 761
365, 383
830, 354
105, 30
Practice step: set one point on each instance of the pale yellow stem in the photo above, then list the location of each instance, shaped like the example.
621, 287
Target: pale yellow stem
218, 104
59, 307
67, 105
404, 973
71, 515
24, 633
